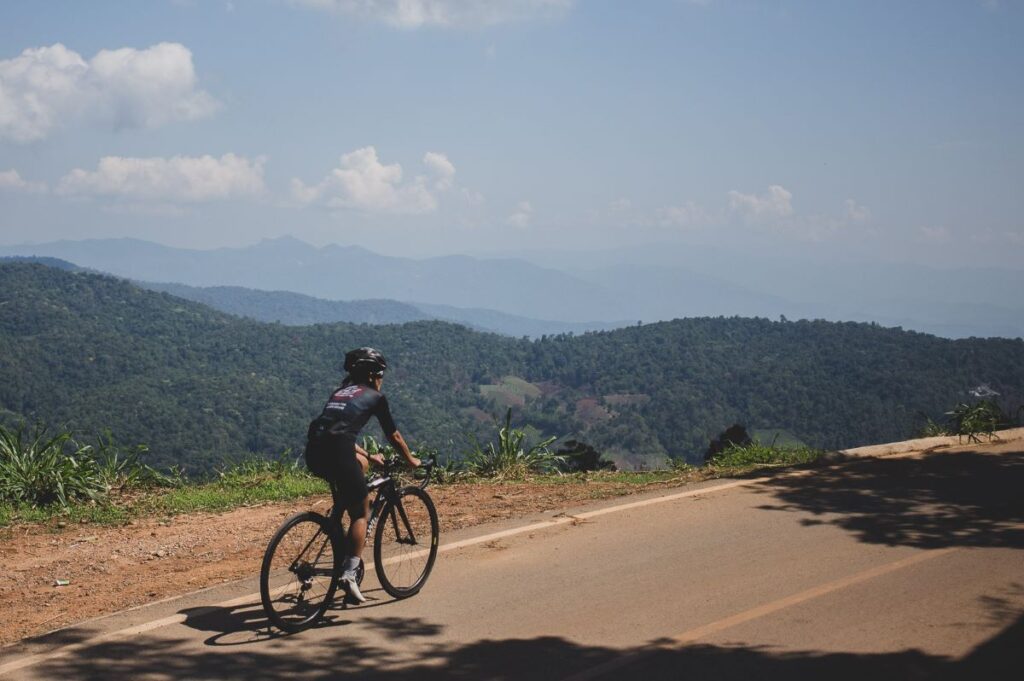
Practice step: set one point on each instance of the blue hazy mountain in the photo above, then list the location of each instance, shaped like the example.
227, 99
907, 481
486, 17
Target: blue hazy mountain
297, 309
574, 289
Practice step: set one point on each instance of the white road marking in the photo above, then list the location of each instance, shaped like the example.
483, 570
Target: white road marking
63, 651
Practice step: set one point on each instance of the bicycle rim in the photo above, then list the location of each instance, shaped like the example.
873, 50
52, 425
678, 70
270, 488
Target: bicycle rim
405, 543
298, 577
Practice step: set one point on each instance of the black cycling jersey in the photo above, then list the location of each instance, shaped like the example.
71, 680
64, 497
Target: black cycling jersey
350, 407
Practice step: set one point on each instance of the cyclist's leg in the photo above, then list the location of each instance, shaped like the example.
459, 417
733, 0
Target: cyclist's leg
337, 501
354, 499
351, 485
358, 514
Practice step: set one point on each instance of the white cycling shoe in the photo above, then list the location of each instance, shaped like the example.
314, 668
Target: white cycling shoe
350, 583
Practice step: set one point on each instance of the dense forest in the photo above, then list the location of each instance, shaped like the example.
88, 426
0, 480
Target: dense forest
199, 386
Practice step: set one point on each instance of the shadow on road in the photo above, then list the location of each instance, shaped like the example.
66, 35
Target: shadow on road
247, 624
1001, 657
940, 500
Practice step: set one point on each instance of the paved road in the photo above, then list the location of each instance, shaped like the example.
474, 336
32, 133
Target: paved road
895, 568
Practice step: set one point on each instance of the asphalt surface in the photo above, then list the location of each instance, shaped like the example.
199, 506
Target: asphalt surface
907, 567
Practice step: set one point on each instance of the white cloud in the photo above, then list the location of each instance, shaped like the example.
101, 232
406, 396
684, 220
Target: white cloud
180, 178
441, 167
445, 13
363, 183
521, 218
46, 88
935, 234
688, 214
619, 205
856, 212
11, 180
775, 204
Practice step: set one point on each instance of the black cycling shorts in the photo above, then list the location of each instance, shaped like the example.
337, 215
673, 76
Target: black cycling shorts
334, 459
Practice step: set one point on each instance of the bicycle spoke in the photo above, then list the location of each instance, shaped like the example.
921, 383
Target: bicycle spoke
297, 580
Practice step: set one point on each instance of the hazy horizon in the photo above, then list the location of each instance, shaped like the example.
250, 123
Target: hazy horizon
863, 132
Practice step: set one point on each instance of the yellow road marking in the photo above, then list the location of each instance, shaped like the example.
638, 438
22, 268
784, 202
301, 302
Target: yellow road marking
762, 610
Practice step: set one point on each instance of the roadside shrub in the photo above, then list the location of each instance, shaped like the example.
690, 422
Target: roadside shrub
40, 469
972, 420
733, 436
581, 458
984, 417
508, 458
757, 454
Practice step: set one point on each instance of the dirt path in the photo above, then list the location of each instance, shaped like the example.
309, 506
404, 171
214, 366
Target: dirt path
113, 568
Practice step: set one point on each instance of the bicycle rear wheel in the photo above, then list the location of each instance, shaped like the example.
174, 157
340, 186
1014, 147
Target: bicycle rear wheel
405, 542
298, 577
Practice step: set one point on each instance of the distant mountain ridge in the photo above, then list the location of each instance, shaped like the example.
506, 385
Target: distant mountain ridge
345, 273
293, 309
637, 284
297, 309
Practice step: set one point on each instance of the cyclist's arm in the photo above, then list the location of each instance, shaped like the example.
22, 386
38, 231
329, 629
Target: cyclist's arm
398, 441
387, 424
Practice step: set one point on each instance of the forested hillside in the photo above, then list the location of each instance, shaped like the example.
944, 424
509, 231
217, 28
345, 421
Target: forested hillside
198, 385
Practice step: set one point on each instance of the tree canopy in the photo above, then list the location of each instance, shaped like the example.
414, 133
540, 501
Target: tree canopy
92, 352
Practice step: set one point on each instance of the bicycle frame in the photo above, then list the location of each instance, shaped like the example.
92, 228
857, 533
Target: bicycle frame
386, 491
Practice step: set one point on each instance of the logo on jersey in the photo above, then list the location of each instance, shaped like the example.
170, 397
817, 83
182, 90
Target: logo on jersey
344, 396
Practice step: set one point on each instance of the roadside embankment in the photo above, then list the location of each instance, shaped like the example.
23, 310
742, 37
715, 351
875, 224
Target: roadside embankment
925, 444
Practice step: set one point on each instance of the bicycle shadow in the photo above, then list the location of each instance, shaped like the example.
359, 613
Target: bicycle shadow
247, 624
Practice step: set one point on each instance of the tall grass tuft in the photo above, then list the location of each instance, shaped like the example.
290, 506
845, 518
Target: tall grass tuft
42, 469
508, 458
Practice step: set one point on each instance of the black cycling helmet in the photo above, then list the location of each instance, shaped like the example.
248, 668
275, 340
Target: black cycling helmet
365, 360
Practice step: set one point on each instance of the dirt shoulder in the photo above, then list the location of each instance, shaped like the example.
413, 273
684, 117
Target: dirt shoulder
109, 569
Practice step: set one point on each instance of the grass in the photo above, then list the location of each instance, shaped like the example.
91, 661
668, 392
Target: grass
122, 489
757, 454
248, 482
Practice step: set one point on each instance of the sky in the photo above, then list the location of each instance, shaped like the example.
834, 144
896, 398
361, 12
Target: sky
885, 131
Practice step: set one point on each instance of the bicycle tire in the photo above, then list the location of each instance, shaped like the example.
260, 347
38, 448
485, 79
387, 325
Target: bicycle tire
306, 547
404, 562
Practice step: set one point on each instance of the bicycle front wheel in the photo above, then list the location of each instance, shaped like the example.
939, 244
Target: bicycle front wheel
298, 577
405, 542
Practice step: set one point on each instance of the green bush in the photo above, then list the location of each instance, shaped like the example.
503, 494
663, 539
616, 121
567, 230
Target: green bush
39, 469
972, 420
757, 454
509, 459
984, 417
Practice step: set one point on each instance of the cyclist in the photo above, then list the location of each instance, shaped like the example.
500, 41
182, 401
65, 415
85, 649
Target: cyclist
343, 462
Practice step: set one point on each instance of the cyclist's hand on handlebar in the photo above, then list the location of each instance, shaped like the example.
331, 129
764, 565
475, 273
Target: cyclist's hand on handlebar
377, 459
413, 462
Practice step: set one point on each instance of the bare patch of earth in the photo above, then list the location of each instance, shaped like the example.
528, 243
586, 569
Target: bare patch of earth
111, 568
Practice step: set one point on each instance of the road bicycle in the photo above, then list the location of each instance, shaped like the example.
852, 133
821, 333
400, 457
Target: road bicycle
303, 562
